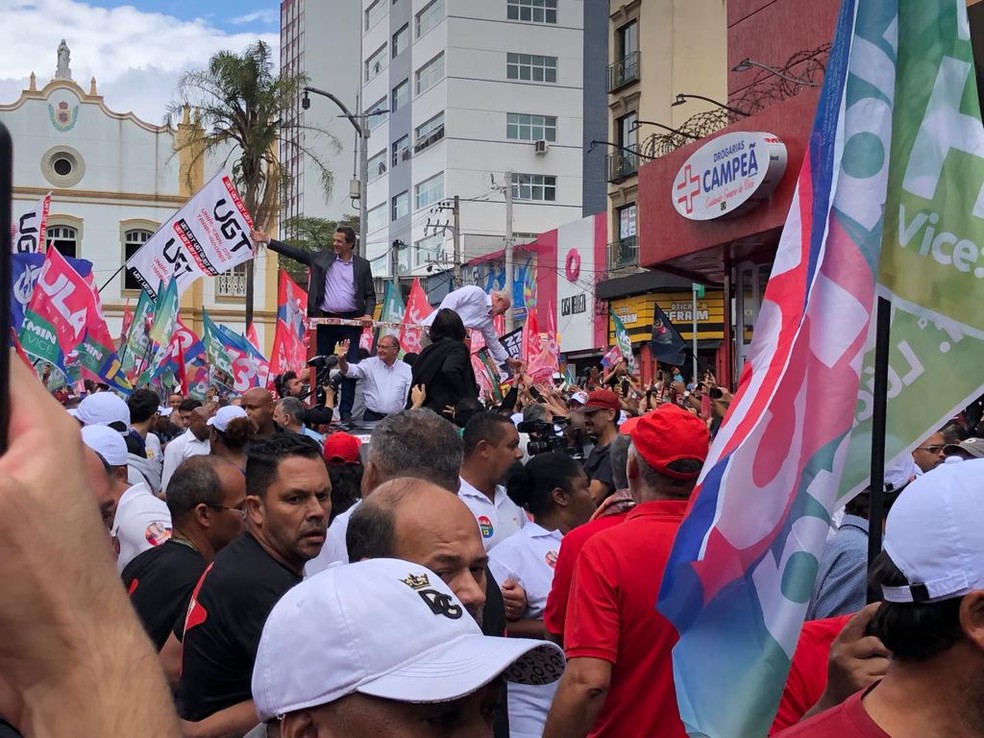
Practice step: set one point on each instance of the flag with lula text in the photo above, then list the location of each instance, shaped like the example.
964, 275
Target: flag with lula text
742, 568
24, 271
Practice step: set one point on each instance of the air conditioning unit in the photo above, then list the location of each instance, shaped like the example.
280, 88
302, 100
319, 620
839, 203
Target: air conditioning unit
406, 154
541, 147
403, 270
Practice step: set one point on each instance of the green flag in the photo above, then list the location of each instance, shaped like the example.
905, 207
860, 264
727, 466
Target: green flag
137, 340
393, 310
930, 265
622, 341
165, 318
215, 349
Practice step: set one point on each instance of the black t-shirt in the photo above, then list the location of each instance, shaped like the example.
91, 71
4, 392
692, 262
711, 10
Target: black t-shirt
223, 627
598, 466
160, 582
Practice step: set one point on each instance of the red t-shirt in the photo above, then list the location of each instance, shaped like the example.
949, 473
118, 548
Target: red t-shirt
612, 616
556, 611
848, 720
808, 671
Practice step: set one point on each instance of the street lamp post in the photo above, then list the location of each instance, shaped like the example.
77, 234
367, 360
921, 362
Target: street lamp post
360, 123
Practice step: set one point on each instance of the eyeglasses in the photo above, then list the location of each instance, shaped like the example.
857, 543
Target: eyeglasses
240, 511
931, 449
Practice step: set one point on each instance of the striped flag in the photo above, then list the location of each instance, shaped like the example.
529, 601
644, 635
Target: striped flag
745, 559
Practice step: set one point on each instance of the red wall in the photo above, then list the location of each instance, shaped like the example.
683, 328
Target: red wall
769, 32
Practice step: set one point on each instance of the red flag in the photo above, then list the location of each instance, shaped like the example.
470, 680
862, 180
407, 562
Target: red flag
418, 308
288, 351
547, 361
251, 337
291, 304
532, 345
64, 299
127, 322
367, 338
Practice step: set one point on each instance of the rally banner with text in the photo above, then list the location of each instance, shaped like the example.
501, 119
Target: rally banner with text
209, 235
743, 564
24, 271
932, 256
28, 232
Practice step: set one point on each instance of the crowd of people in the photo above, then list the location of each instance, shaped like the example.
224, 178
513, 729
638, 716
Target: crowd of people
457, 566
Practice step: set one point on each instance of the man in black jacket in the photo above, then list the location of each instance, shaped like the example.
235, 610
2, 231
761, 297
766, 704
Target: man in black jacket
339, 286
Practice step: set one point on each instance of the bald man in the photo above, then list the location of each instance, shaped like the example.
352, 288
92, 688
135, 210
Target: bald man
415, 520
258, 404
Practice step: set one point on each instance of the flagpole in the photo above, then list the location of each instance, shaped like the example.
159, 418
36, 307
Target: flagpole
876, 514
115, 275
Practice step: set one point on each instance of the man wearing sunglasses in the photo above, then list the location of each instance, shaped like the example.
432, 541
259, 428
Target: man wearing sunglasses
929, 454
207, 500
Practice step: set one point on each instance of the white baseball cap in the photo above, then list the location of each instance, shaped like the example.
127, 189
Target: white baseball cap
107, 443
220, 421
385, 628
933, 534
103, 408
580, 396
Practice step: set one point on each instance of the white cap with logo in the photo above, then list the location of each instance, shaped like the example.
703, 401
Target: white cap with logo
933, 534
385, 628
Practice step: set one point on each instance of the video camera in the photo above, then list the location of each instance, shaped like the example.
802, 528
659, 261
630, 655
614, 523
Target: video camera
322, 366
544, 438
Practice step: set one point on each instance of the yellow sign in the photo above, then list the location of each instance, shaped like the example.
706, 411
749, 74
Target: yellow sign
636, 313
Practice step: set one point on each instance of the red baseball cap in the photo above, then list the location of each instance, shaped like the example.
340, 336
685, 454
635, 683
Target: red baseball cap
669, 433
629, 425
342, 448
602, 400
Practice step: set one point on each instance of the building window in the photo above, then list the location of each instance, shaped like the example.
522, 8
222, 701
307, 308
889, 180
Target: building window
627, 39
401, 150
375, 12
429, 132
401, 40
625, 69
376, 63
531, 67
377, 165
232, 283
376, 218
132, 241
377, 119
401, 95
427, 250
525, 127
65, 239
627, 221
429, 17
538, 187
430, 74
532, 11
401, 205
429, 191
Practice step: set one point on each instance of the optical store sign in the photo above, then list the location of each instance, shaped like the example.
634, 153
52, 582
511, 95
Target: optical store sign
730, 175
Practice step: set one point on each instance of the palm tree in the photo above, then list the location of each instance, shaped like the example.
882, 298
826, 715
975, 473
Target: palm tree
244, 109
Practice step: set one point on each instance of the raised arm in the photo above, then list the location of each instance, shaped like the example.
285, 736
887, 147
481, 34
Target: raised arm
300, 255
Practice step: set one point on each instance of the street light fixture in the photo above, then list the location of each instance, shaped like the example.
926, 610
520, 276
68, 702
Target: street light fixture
681, 99
745, 64
359, 122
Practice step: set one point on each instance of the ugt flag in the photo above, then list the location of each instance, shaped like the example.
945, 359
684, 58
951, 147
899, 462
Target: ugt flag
743, 564
209, 235
28, 232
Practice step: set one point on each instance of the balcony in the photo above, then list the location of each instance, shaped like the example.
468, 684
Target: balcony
623, 72
623, 253
621, 165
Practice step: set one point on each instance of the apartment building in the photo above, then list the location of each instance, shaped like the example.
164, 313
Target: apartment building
472, 96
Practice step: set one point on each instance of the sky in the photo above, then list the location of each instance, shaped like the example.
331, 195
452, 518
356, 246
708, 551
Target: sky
136, 50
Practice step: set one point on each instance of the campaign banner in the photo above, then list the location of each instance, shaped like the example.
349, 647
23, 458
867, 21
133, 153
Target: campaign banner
24, 271
29, 231
291, 304
418, 308
209, 235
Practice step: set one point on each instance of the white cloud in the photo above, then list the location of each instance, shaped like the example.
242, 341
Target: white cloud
263, 16
135, 56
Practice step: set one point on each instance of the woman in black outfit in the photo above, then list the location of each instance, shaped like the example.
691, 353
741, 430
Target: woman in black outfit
444, 367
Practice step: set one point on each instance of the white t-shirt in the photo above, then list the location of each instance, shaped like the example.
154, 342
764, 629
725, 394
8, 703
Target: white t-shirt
152, 445
496, 520
334, 548
142, 521
528, 557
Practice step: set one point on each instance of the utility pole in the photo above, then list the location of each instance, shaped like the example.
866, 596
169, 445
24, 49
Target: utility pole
509, 249
457, 242
395, 264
